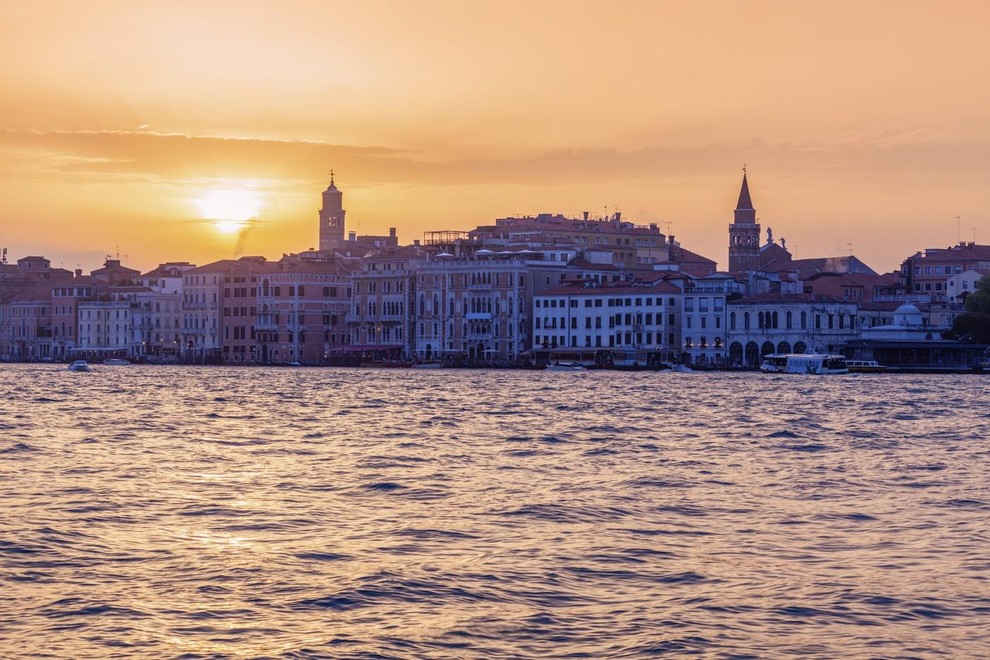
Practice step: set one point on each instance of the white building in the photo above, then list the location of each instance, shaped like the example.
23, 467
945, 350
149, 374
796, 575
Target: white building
704, 323
105, 328
788, 323
625, 316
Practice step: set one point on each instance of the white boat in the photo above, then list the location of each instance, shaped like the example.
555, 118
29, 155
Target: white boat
566, 366
427, 365
804, 363
79, 365
865, 366
117, 362
682, 368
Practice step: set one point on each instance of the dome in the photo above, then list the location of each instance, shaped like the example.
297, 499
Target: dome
908, 314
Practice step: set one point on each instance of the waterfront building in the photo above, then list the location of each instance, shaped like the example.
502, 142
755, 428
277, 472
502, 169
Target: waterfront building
65, 316
474, 309
703, 327
27, 328
160, 326
788, 323
607, 318
301, 312
380, 320
202, 288
105, 328
911, 342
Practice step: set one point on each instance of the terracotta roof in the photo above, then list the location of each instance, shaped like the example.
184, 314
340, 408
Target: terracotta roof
774, 297
611, 289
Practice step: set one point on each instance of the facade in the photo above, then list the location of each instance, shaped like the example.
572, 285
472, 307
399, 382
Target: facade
704, 326
596, 317
927, 273
105, 328
381, 314
202, 288
301, 312
160, 327
28, 327
473, 310
788, 323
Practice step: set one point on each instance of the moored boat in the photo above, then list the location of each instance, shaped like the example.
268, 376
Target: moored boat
804, 363
865, 366
117, 362
566, 366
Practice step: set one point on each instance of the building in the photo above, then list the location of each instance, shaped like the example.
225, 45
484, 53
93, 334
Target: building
703, 329
607, 321
927, 273
331, 217
475, 309
381, 318
301, 307
744, 234
788, 323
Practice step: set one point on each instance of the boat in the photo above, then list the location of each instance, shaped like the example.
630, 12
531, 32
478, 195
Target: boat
865, 366
566, 366
79, 365
682, 368
427, 365
117, 362
804, 363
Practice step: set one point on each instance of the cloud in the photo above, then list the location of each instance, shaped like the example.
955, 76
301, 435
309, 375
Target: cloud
119, 155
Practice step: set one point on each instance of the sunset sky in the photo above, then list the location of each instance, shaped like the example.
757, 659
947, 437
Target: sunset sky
126, 125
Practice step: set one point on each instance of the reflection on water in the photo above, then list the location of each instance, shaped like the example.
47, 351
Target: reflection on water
188, 512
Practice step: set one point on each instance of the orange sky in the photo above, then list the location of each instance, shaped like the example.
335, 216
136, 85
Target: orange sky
861, 122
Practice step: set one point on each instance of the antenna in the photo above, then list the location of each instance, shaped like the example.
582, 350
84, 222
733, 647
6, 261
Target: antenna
958, 239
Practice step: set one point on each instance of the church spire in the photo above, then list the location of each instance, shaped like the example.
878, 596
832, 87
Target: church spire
744, 203
745, 213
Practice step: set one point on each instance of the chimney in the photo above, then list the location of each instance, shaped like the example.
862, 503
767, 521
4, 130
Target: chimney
352, 236
78, 272
391, 232
585, 216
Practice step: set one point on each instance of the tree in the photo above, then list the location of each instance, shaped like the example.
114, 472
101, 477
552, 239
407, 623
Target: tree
978, 302
971, 326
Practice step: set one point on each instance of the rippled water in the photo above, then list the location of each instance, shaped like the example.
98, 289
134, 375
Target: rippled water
307, 513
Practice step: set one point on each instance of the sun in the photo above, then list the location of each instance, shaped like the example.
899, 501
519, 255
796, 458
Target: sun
229, 210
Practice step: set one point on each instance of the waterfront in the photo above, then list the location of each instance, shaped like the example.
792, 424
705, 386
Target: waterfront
249, 512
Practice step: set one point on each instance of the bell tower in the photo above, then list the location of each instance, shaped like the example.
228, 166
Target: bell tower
332, 217
744, 234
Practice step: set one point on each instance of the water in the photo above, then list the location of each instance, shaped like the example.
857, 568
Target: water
161, 512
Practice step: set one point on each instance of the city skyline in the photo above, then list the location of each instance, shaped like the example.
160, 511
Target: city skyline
861, 124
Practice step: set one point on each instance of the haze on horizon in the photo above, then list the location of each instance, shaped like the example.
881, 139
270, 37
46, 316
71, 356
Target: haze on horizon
863, 124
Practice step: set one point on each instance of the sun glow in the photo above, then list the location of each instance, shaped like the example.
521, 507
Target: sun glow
229, 210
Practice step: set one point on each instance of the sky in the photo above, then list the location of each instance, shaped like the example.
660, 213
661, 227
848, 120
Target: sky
127, 128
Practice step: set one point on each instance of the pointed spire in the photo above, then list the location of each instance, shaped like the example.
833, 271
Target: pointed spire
745, 213
744, 203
